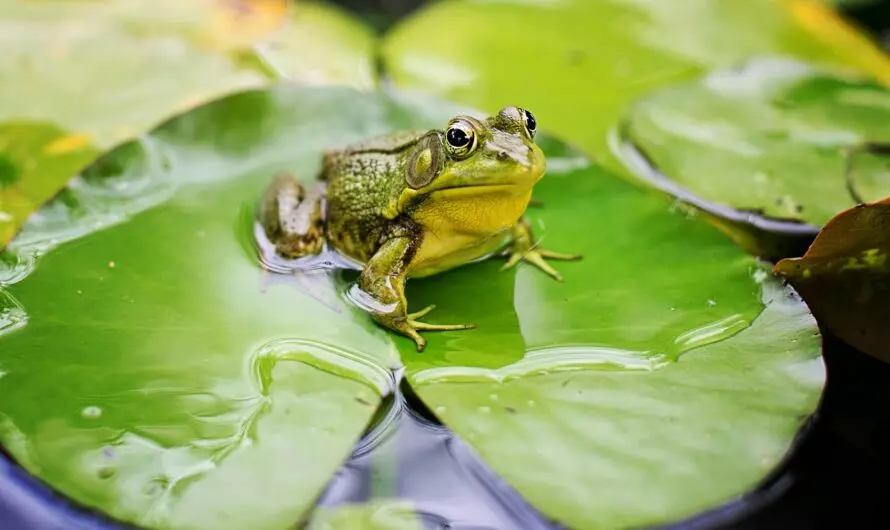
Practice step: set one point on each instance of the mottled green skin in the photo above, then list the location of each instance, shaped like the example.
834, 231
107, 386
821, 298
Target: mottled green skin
415, 203
362, 180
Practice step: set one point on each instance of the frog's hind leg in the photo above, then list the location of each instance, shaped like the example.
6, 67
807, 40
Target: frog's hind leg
293, 216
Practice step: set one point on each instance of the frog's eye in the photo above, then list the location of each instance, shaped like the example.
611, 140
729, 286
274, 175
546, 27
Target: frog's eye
461, 139
531, 124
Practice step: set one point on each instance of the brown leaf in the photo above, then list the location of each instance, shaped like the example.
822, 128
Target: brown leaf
844, 277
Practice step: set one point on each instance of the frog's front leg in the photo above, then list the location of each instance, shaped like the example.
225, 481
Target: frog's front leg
524, 248
383, 279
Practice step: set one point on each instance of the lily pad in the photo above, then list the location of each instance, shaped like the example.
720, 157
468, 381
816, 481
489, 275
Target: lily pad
320, 44
36, 159
115, 68
378, 515
769, 138
176, 55
579, 64
668, 374
845, 277
150, 365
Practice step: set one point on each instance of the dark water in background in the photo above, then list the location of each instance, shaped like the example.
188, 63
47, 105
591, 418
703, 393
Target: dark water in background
835, 479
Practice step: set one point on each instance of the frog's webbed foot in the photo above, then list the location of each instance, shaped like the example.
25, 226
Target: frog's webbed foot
383, 280
410, 326
523, 249
537, 258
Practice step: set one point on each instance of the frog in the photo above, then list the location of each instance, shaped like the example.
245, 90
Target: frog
415, 203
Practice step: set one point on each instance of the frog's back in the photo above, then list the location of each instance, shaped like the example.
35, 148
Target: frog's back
363, 178
386, 143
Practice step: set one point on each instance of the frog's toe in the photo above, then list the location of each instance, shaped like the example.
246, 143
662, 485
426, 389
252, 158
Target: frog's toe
410, 326
549, 254
418, 340
421, 313
514, 258
423, 326
536, 258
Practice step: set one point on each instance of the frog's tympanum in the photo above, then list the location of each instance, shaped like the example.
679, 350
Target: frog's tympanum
412, 204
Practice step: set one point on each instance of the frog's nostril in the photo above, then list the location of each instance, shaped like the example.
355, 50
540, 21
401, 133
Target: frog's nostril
502, 155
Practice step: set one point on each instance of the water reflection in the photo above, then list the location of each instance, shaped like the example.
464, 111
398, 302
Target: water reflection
12, 314
543, 361
712, 332
337, 361
445, 481
270, 260
15, 266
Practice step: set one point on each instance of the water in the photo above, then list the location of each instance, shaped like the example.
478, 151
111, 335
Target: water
447, 484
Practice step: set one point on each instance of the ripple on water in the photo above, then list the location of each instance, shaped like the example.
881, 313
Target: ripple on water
147, 473
547, 360
132, 178
157, 462
149, 463
129, 179
269, 259
337, 361
712, 332
15, 266
382, 430
12, 313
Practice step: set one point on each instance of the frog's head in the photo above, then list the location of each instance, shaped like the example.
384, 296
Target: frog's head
498, 152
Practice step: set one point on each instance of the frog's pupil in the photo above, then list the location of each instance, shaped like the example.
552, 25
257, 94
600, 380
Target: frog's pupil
530, 121
458, 137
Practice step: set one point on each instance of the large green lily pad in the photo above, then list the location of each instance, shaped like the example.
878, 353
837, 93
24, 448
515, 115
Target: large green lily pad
578, 64
669, 373
770, 136
159, 365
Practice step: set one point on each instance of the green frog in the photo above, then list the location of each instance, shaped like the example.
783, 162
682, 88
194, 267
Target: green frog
415, 203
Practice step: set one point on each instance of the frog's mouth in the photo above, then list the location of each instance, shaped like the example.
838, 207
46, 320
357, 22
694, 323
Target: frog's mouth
491, 194
475, 189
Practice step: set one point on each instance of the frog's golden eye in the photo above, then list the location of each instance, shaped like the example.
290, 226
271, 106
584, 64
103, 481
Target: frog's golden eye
461, 139
531, 124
